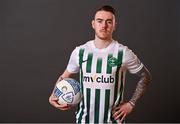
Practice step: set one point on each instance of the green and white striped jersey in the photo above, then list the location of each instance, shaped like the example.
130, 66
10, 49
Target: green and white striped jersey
102, 78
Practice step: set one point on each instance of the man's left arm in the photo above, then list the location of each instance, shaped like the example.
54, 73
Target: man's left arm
121, 111
142, 85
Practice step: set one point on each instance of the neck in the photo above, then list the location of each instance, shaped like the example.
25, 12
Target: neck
100, 44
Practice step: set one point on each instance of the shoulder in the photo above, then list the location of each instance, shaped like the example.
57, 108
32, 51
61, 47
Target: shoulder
86, 45
121, 46
127, 52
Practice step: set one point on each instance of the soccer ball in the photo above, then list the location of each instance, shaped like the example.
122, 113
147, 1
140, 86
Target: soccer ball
68, 91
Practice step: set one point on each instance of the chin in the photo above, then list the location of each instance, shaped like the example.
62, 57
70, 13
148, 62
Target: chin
103, 38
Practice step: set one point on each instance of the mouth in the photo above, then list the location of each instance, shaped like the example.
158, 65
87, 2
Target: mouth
104, 31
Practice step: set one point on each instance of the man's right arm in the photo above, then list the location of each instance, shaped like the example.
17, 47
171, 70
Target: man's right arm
72, 68
53, 100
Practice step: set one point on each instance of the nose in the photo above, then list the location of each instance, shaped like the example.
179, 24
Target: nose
104, 25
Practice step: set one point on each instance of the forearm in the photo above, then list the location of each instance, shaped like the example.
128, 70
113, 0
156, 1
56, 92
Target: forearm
65, 74
141, 85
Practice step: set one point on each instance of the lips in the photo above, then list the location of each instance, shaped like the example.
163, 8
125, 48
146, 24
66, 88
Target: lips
104, 31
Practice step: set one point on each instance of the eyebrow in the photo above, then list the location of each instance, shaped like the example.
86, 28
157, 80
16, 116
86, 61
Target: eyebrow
99, 19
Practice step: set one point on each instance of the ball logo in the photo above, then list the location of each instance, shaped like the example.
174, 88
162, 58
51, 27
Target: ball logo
68, 91
64, 89
68, 97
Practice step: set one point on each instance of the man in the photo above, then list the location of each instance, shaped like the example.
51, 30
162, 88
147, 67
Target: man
102, 64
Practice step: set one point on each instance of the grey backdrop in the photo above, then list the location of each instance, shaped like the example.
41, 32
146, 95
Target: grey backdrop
37, 37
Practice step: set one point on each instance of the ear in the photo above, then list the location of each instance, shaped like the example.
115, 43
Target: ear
115, 26
92, 23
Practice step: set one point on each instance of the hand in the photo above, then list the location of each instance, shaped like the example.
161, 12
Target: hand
53, 101
121, 111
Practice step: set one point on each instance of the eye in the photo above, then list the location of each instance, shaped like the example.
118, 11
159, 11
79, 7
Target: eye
99, 21
109, 22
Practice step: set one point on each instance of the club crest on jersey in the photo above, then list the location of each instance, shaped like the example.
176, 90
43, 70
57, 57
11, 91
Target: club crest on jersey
113, 62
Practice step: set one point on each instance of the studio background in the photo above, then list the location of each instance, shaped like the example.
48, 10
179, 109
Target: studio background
38, 36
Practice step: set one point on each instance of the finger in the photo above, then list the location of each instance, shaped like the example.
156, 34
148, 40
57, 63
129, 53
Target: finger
54, 98
55, 104
60, 106
117, 106
53, 101
115, 109
119, 116
65, 107
116, 113
123, 117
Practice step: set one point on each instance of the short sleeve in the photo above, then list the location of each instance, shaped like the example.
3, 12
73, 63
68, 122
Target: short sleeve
131, 61
73, 64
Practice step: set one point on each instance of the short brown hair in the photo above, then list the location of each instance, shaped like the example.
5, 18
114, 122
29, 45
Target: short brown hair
107, 8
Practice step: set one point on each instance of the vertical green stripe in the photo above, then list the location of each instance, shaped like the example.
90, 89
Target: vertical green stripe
106, 107
121, 87
89, 63
97, 103
120, 54
99, 65
81, 53
88, 94
109, 68
116, 88
117, 74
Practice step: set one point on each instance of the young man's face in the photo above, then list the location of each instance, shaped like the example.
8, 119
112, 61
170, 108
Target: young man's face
104, 25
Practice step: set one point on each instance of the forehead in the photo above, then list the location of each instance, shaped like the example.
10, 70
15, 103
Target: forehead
104, 15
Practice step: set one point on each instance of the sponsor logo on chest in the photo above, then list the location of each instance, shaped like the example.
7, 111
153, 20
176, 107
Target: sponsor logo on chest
99, 79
